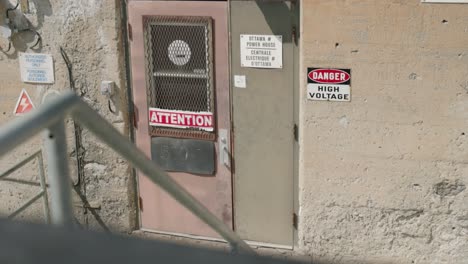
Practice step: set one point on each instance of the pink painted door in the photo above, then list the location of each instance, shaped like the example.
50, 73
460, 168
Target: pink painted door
179, 66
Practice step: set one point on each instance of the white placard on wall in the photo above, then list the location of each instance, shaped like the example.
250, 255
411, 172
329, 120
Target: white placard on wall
240, 81
261, 51
36, 68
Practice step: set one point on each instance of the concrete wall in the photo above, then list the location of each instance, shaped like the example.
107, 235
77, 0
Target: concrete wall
90, 33
384, 176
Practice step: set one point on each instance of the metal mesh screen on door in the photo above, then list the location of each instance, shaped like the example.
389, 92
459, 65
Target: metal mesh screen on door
179, 69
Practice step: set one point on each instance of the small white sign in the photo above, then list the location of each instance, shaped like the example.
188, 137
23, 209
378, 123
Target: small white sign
239, 81
36, 68
261, 51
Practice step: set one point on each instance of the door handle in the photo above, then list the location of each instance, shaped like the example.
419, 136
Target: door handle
226, 158
223, 144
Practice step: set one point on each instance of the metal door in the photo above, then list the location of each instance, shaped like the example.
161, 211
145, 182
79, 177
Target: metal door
179, 61
263, 115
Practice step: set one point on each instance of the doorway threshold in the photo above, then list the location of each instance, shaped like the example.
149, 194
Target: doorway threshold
254, 244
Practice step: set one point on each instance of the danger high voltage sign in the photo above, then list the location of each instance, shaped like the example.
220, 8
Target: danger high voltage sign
329, 84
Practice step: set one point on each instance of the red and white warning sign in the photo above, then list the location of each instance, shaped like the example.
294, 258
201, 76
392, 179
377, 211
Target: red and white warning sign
181, 119
325, 84
24, 104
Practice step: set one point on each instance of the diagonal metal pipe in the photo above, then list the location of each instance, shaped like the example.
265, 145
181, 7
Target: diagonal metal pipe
54, 112
87, 117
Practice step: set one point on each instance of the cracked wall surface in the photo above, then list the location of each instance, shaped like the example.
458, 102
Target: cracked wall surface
90, 34
383, 178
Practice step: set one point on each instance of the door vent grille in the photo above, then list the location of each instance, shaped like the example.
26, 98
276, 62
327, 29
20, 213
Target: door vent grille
179, 69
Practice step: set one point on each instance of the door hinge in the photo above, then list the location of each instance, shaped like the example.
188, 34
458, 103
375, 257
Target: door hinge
296, 132
140, 203
294, 34
130, 32
293, 3
295, 220
135, 117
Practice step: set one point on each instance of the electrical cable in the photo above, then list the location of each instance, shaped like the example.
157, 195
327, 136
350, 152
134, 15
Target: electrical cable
79, 150
39, 37
69, 67
11, 9
109, 106
9, 46
8, 21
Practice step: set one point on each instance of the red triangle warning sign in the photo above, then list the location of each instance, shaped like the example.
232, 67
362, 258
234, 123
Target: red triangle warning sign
24, 104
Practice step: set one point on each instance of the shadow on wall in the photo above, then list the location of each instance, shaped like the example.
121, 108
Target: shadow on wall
91, 209
271, 12
24, 34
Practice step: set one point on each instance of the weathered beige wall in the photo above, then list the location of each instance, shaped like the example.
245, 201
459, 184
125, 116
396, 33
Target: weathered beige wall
90, 32
380, 178
384, 176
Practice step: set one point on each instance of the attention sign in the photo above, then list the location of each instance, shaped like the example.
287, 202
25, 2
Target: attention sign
329, 84
181, 119
261, 51
36, 68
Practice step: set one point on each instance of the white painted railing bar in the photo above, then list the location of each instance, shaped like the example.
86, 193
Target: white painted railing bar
51, 116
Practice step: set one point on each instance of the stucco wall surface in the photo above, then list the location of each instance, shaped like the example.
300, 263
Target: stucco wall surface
383, 177
90, 34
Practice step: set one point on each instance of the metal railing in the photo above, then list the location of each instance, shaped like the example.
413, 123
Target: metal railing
42, 183
51, 118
